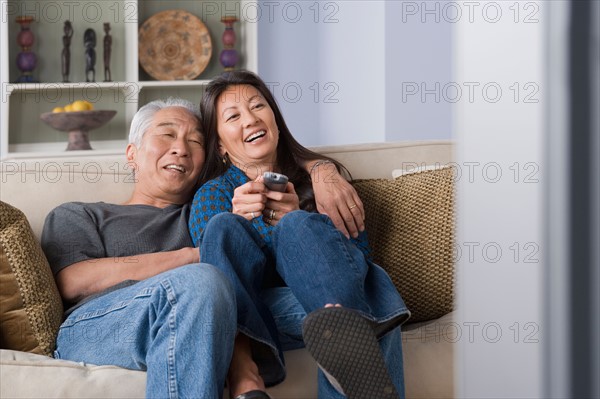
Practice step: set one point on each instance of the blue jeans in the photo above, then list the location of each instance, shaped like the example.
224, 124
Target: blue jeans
179, 326
289, 314
319, 266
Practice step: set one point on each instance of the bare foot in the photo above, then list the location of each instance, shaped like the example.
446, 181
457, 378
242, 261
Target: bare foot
243, 373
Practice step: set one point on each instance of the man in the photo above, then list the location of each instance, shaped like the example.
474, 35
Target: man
142, 299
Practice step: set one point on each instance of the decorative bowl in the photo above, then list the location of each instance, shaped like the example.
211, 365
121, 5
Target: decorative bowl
77, 124
174, 45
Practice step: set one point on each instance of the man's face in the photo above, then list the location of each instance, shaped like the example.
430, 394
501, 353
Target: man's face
168, 162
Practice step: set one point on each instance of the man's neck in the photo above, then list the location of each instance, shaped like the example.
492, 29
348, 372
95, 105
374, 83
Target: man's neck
138, 198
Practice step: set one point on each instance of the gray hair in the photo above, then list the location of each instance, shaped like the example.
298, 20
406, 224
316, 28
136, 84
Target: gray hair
143, 118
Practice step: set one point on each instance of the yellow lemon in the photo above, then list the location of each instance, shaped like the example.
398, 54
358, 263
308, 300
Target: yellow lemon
89, 105
58, 109
69, 108
79, 105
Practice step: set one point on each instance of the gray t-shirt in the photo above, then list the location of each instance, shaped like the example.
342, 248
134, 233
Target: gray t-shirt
78, 231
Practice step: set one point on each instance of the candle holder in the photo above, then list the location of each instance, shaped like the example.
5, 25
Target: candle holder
26, 59
229, 55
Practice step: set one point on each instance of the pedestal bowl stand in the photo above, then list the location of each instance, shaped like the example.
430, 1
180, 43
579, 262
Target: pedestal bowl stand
78, 125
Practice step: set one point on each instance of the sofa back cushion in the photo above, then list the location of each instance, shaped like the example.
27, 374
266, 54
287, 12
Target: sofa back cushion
30, 306
410, 223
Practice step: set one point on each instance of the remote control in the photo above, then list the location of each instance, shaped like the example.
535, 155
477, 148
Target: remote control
275, 181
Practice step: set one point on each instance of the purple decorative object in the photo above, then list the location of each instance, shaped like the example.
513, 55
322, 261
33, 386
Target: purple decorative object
229, 58
229, 36
229, 55
26, 59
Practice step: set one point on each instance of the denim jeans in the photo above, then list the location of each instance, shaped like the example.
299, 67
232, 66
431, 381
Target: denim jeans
319, 266
289, 314
179, 326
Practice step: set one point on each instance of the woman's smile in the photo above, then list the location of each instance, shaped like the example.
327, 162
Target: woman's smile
256, 137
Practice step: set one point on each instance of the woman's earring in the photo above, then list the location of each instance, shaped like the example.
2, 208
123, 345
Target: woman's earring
224, 159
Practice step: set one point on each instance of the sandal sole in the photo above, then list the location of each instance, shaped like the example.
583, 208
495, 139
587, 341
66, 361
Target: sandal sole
344, 344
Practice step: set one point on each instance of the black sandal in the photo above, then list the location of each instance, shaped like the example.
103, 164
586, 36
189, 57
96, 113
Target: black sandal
345, 346
255, 394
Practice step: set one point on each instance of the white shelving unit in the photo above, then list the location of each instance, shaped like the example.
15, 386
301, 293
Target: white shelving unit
24, 135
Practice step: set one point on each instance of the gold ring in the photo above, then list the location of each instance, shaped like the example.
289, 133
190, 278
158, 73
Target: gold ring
272, 215
351, 207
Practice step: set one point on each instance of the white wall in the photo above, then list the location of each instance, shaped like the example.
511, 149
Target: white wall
418, 51
288, 58
350, 59
500, 204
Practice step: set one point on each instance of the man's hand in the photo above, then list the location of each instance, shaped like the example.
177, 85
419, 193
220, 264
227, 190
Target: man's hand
336, 198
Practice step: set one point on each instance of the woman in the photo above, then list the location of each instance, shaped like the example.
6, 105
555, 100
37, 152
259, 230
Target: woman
282, 257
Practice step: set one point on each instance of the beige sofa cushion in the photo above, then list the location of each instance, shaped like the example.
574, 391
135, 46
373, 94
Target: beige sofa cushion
34, 376
30, 306
427, 350
410, 222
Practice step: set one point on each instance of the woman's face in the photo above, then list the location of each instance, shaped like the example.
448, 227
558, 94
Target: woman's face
248, 133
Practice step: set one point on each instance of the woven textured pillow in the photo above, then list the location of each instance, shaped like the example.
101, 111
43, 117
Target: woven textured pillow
30, 306
410, 223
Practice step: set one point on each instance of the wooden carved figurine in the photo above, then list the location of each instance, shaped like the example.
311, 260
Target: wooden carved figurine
66, 53
89, 41
107, 50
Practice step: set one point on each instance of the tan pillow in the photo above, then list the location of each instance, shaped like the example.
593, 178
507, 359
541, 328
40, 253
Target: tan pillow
30, 306
410, 223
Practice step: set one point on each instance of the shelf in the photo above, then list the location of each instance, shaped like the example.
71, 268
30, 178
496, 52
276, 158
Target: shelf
24, 135
36, 87
48, 150
174, 83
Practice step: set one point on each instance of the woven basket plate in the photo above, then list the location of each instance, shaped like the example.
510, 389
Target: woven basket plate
174, 45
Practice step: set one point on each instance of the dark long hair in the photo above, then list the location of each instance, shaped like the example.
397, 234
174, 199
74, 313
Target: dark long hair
291, 155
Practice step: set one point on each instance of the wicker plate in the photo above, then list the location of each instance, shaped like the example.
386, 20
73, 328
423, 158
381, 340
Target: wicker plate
174, 45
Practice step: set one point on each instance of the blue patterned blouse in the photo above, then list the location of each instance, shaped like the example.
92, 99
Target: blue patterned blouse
215, 197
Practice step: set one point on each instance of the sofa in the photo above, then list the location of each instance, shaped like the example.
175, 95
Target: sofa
424, 202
